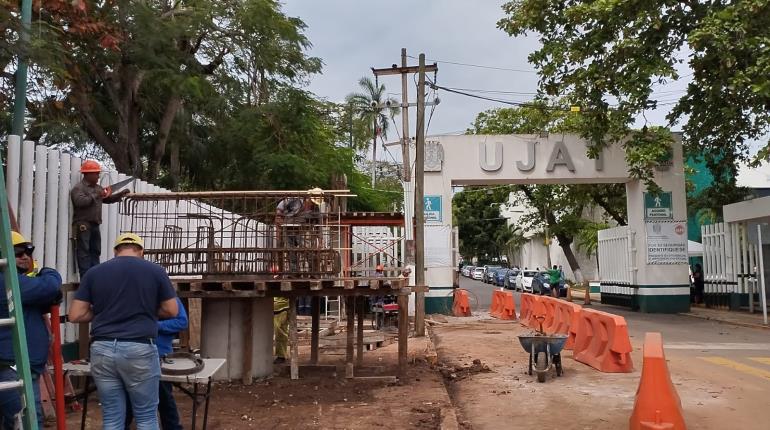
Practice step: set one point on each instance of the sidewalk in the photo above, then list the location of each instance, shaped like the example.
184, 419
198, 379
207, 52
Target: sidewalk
740, 318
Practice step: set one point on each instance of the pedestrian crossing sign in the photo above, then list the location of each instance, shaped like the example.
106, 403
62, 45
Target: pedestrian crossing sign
658, 206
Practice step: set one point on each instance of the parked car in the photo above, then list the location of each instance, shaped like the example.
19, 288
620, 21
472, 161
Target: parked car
478, 273
467, 271
540, 283
524, 280
500, 276
510, 279
489, 274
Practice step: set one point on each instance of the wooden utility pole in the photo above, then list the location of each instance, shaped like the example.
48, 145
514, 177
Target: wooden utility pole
419, 216
419, 213
405, 120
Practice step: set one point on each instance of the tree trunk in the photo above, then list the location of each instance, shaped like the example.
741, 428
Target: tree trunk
566, 246
174, 170
164, 129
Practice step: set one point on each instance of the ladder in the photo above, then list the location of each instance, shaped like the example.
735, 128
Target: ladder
15, 318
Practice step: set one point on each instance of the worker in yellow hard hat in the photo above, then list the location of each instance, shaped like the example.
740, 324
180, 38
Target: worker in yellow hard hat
87, 197
39, 290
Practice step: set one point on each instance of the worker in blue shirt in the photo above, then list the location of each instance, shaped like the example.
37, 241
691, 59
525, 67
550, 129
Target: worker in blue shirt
39, 290
167, 331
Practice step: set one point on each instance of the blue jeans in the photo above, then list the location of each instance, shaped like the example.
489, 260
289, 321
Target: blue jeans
10, 400
123, 369
169, 415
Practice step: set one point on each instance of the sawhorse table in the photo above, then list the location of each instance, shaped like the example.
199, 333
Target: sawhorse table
210, 367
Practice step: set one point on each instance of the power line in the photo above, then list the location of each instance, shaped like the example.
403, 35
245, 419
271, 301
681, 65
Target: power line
479, 66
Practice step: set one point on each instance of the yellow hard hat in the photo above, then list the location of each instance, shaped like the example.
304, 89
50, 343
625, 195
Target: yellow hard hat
129, 238
18, 239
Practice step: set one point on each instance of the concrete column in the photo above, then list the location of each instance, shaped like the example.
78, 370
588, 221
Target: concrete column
661, 288
222, 334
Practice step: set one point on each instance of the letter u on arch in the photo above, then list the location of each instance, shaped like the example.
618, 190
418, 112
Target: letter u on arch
497, 161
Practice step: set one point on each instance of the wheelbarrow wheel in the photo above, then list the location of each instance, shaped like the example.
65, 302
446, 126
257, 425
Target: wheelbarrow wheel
541, 365
557, 364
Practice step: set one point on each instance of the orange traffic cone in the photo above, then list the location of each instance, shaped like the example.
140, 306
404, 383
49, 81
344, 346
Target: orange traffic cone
587, 297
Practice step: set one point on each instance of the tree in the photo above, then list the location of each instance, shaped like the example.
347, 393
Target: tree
127, 71
483, 232
607, 56
370, 107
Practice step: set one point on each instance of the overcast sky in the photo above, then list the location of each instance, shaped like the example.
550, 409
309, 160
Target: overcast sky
351, 36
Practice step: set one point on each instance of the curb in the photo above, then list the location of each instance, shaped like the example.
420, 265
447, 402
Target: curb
448, 416
737, 323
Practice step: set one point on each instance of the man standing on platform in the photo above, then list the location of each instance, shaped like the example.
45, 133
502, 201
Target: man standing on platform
124, 298
87, 197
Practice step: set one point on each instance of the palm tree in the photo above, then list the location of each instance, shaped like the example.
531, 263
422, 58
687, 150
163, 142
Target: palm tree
372, 106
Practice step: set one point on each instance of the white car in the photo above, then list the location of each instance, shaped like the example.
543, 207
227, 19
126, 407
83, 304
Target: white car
478, 273
524, 280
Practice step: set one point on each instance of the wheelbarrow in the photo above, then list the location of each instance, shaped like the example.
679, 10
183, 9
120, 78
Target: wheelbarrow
544, 351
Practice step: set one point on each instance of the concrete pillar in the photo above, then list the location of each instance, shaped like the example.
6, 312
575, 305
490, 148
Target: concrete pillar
222, 330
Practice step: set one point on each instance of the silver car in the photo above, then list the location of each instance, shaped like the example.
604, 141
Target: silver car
524, 280
478, 273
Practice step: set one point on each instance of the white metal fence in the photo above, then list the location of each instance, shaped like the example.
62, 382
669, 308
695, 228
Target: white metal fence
39, 180
730, 263
617, 271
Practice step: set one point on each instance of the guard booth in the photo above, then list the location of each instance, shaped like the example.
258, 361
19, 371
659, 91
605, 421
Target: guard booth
736, 257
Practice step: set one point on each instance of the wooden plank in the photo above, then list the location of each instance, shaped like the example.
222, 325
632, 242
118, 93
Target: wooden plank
349, 284
196, 286
194, 319
261, 286
227, 286
248, 336
350, 310
315, 285
360, 333
293, 344
84, 340
403, 334
315, 312
286, 285
374, 284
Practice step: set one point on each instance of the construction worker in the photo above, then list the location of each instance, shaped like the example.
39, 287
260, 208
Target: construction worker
281, 328
87, 197
39, 290
167, 410
123, 299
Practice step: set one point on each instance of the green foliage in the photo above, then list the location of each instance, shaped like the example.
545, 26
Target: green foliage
369, 108
587, 239
607, 56
483, 232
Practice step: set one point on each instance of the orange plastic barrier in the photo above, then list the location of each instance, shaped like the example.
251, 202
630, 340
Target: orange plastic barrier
496, 308
461, 306
526, 308
537, 308
602, 342
657, 404
503, 305
551, 323
570, 312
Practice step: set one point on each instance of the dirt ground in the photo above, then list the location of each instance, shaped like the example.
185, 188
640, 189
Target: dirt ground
500, 391
323, 399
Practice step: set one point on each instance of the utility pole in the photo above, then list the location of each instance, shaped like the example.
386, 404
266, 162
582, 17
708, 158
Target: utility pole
419, 213
405, 120
417, 178
20, 94
374, 145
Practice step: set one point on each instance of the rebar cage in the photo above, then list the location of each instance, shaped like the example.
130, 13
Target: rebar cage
275, 234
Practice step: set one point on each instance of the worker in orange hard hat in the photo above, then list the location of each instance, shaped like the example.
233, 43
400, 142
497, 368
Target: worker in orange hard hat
87, 198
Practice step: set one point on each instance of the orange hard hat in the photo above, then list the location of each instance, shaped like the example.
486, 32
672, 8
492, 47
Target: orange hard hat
90, 166
380, 268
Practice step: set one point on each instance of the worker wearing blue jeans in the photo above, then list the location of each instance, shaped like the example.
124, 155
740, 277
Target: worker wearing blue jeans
167, 329
123, 299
